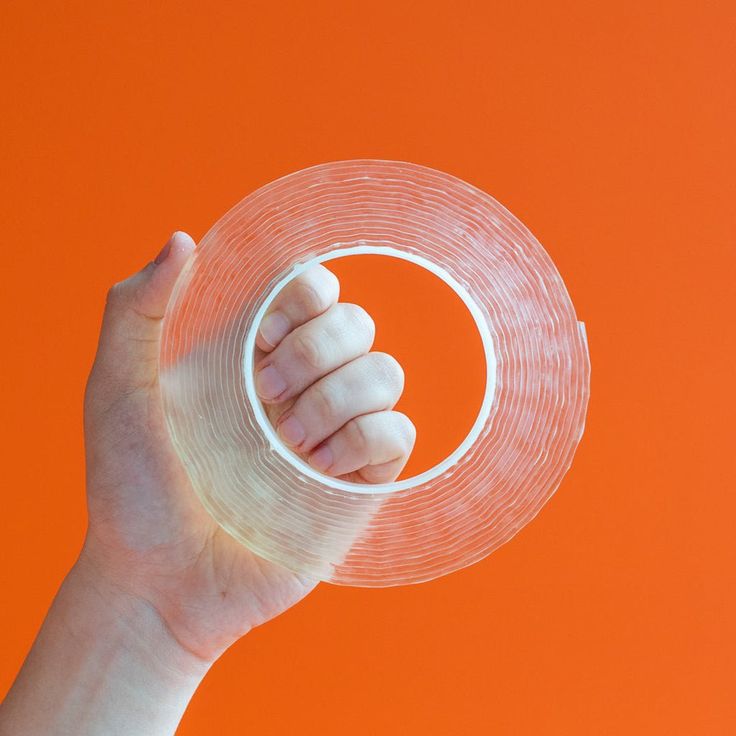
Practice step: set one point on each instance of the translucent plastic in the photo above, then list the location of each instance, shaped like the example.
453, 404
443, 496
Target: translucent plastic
514, 457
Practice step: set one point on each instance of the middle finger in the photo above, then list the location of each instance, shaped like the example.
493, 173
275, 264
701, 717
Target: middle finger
341, 334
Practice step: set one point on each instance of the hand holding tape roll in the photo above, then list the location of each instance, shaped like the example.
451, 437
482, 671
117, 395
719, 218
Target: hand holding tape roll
271, 500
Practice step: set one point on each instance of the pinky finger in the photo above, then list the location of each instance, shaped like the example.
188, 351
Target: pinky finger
372, 448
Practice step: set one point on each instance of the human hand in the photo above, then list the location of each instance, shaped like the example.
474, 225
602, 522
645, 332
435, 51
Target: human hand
328, 396
159, 589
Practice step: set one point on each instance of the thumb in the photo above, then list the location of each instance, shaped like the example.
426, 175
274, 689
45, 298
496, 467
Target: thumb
128, 350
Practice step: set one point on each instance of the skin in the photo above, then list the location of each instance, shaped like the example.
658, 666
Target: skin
159, 590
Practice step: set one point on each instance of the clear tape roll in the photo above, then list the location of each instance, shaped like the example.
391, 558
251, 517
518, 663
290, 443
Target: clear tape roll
519, 447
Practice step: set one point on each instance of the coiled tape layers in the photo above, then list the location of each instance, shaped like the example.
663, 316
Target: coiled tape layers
515, 455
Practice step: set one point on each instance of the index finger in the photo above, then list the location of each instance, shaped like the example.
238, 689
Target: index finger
306, 297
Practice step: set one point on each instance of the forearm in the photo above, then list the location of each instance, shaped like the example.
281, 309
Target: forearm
103, 663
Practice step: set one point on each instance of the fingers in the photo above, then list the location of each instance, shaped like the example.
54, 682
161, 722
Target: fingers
328, 397
370, 383
334, 338
306, 297
372, 448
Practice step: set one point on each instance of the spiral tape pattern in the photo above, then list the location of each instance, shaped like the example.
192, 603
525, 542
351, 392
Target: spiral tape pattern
371, 537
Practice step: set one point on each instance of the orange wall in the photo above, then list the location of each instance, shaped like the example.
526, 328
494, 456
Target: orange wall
427, 328
608, 129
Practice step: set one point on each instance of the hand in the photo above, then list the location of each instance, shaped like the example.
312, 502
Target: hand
328, 397
160, 590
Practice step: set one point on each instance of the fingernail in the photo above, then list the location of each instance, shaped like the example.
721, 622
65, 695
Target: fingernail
269, 383
274, 328
178, 238
161, 257
291, 431
321, 459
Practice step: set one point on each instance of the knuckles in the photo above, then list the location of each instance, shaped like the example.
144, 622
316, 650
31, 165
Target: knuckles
356, 438
116, 295
315, 292
356, 318
127, 294
388, 370
315, 349
309, 350
309, 299
325, 403
407, 432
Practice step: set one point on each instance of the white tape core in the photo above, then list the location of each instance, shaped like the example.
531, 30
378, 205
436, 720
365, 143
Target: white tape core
340, 251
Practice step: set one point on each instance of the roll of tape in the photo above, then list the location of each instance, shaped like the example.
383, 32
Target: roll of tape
521, 443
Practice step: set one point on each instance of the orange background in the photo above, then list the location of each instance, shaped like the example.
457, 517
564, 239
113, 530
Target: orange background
424, 324
608, 129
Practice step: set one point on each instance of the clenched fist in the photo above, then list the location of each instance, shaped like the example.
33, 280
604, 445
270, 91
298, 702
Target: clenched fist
330, 398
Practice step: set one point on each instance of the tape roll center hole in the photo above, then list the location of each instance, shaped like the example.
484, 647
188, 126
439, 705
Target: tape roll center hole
425, 324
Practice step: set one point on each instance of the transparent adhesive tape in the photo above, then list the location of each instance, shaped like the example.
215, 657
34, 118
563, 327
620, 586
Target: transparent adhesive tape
515, 455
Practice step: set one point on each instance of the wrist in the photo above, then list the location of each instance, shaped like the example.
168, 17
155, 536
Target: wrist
103, 662
92, 602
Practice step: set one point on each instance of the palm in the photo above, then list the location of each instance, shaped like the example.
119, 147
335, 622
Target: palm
207, 587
